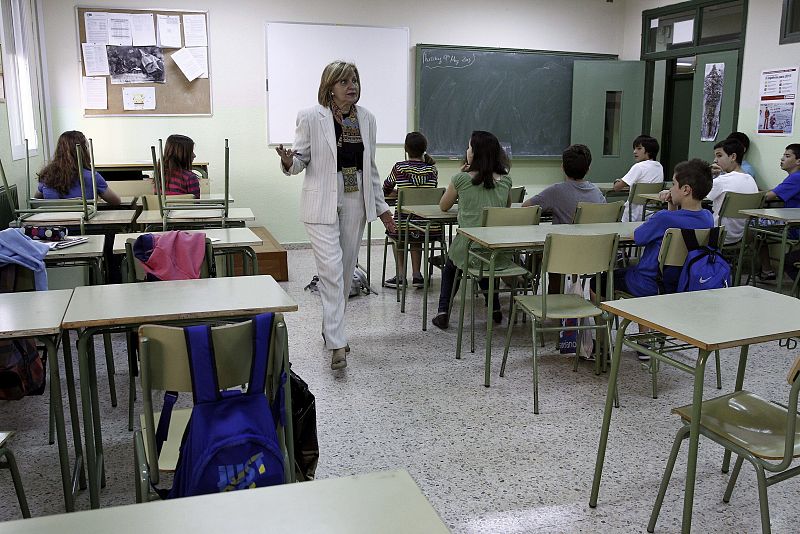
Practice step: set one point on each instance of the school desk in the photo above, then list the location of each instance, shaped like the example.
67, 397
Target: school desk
38, 314
385, 502
116, 219
428, 215
133, 170
225, 240
709, 320
198, 217
126, 203
127, 306
787, 218
497, 239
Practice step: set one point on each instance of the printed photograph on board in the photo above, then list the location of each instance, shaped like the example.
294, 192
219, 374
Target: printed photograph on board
136, 64
712, 100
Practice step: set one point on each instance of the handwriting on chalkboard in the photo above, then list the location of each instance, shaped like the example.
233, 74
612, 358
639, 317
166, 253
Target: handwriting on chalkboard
447, 60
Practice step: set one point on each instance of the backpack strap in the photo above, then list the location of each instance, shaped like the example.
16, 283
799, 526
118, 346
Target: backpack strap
162, 430
713, 238
690, 239
202, 364
262, 332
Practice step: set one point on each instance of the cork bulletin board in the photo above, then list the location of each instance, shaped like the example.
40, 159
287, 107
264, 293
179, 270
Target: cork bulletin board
167, 86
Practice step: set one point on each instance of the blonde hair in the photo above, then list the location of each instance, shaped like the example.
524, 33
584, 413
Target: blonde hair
331, 75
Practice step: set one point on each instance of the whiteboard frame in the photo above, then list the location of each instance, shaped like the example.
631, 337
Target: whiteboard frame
206, 12
311, 79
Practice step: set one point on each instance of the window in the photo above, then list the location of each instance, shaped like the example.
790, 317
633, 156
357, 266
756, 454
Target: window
611, 129
790, 22
16, 23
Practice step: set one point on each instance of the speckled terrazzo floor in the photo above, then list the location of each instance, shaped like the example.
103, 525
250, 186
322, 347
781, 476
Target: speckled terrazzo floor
483, 459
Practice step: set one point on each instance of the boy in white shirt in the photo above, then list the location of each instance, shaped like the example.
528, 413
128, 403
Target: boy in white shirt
731, 178
646, 169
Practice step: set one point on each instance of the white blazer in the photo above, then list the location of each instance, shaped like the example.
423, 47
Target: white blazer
315, 144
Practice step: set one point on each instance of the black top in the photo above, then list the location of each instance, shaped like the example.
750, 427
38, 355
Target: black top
347, 154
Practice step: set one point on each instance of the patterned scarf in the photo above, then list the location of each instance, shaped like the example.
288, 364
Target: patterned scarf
351, 133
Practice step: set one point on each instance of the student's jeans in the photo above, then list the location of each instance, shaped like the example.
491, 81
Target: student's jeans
451, 276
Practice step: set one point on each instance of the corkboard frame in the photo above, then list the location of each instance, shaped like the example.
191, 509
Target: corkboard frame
175, 97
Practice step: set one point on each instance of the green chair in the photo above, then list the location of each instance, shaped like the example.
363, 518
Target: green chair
411, 196
165, 367
641, 188
481, 266
516, 195
592, 212
672, 253
759, 431
735, 252
7, 461
567, 255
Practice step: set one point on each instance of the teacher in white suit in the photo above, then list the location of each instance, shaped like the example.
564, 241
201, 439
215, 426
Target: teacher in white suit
335, 144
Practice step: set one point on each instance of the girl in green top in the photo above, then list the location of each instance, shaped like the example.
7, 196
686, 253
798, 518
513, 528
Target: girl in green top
482, 183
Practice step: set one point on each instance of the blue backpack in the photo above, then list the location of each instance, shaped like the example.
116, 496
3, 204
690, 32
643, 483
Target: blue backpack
230, 442
704, 268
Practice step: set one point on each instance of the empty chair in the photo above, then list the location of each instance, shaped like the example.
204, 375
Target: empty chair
640, 188
517, 194
755, 429
736, 251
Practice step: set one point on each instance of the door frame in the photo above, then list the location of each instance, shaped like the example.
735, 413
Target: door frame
696, 49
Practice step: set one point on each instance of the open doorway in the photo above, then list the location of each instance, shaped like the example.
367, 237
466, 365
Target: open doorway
677, 111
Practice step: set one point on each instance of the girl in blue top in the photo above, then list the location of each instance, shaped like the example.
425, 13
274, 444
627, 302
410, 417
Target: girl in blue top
59, 178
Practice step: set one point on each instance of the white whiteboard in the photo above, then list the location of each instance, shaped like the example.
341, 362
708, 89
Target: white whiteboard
297, 53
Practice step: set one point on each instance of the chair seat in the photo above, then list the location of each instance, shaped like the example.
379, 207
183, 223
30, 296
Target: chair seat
558, 306
748, 421
512, 270
171, 448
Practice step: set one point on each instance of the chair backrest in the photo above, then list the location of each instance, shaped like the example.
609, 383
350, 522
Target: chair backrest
516, 194
418, 196
732, 203
137, 274
511, 216
592, 212
673, 249
640, 188
165, 363
152, 202
579, 254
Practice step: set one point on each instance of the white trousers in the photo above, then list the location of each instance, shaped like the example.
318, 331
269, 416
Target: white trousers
336, 254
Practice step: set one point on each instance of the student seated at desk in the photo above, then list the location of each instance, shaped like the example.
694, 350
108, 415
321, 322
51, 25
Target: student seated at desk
178, 176
482, 183
789, 192
742, 138
59, 178
418, 170
727, 157
646, 169
562, 199
690, 184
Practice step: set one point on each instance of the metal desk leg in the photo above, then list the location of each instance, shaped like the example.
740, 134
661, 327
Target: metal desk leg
726, 460
91, 416
694, 440
73, 408
426, 277
612, 387
61, 433
404, 282
463, 291
489, 321
782, 259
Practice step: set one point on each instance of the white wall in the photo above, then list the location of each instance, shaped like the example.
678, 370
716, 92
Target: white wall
236, 55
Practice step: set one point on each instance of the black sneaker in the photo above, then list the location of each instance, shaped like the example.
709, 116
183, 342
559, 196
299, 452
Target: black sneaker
391, 282
766, 275
442, 320
417, 281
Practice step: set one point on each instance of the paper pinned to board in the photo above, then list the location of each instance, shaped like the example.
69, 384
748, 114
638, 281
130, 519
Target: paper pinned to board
169, 31
119, 29
138, 98
200, 54
194, 30
186, 62
96, 23
143, 29
95, 95
95, 59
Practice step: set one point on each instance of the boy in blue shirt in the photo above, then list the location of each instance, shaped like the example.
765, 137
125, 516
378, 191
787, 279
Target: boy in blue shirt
690, 184
789, 192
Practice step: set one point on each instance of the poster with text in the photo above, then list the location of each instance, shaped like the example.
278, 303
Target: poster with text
777, 92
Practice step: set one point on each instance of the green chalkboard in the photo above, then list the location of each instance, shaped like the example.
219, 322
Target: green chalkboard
524, 97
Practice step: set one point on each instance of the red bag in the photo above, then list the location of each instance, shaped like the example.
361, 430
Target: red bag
21, 367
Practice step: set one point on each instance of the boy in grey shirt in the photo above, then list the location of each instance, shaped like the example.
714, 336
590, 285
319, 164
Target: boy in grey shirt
562, 199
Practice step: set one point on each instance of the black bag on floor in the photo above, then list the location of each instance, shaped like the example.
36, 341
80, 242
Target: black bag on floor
304, 424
